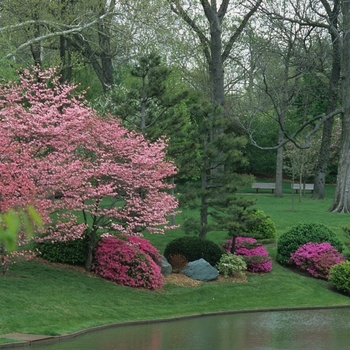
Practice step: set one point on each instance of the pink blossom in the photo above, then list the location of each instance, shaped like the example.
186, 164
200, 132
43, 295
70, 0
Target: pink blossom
256, 256
82, 172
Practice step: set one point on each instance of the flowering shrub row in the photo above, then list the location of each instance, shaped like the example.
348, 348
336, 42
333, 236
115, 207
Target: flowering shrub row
317, 258
131, 261
255, 255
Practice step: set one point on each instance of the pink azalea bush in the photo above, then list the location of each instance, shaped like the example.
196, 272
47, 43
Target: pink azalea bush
255, 255
129, 261
317, 258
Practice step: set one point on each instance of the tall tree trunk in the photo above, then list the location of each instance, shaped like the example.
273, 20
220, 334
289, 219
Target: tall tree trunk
100, 60
341, 203
320, 172
216, 70
105, 54
279, 166
65, 57
204, 206
36, 48
286, 95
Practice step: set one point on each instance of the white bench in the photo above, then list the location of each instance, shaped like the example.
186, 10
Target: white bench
264, 186
305, 187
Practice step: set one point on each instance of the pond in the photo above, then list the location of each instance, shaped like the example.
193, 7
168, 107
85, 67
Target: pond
269, 330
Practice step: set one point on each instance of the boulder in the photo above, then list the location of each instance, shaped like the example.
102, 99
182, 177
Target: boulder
166, 268
200, 270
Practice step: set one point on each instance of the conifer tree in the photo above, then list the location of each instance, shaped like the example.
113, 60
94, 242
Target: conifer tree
218, 161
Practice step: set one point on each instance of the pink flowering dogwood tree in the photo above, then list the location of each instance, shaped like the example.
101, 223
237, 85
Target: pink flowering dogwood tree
85, 174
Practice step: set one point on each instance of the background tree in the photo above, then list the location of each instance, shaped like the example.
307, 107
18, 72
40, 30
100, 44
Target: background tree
218, 45
332, 99
341, 202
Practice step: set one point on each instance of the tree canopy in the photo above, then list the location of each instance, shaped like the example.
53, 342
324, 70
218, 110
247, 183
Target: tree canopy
82, 172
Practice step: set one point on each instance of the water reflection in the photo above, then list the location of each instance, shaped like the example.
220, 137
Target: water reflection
288, 330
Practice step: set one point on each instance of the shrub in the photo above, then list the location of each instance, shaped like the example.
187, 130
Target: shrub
126, 262
249, 247
259, 263
255, 255
229, 264
340, 277
194, 248
317, 258
69, 252
178, 262
265, 230
145, 246
301, 234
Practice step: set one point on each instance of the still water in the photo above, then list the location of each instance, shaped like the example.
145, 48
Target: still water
327, 329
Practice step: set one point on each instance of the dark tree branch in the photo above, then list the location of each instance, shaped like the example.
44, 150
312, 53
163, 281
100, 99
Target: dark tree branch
178, 10
238, 31
321, 119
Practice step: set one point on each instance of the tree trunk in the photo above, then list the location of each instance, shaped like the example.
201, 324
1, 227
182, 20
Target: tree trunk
4, 265
279, 166
320, 172
91, 246
341, 202
204, 206
282, 120
216, 69
36, 48
105, 55
65, 57
101, 61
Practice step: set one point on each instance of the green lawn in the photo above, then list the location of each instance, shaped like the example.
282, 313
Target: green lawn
41, 299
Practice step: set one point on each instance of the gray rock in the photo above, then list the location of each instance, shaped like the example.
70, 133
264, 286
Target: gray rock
166, 268
200, 270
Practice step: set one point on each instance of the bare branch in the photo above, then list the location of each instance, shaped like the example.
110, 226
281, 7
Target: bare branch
178, 10
239, 30
72, 29
307, 140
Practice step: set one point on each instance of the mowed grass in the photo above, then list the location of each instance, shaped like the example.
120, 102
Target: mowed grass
41, 299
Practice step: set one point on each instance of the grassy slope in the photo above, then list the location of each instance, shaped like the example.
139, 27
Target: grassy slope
46, 300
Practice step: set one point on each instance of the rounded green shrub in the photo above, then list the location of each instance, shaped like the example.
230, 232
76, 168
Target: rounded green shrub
194, 248
70, 252
301, 234
230, 264
340, 277
265, 230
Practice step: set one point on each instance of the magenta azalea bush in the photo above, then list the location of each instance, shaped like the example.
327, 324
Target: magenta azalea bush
129, 261
255, 255
317, 258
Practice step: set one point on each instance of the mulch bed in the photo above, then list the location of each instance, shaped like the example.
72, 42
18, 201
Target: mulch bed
178, 279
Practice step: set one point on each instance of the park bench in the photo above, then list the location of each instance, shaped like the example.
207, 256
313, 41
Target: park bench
264, 186
306, 187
